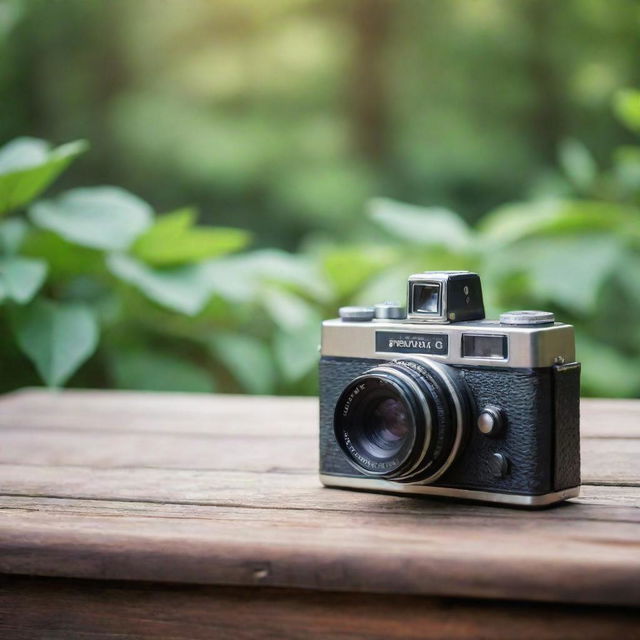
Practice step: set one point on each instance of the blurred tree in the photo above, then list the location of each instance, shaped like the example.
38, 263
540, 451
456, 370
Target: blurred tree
369, 109
285, 117
546, 118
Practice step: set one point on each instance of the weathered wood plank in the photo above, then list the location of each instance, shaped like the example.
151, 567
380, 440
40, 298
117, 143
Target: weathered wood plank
590, 508
107, 449
612, 462
604, 461
609, 495
276, 490
602, 418
203, 413
89, 610
99, 485
134, 412
576, 560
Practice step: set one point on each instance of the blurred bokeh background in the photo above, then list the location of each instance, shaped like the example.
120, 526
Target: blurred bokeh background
271, 161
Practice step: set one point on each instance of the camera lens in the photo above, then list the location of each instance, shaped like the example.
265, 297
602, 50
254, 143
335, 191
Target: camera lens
403, 420
375, 421
389, 423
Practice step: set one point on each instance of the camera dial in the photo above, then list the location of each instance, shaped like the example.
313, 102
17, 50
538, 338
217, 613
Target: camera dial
390, 311
527, 318
356, 314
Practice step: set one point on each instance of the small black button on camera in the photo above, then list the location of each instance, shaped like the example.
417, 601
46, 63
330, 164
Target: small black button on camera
490, 421
498, 465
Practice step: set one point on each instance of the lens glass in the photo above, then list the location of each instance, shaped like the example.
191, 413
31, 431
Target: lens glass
426, 298
388, 424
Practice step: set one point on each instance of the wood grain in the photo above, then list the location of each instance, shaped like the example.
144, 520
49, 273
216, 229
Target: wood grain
83, 610
223, 490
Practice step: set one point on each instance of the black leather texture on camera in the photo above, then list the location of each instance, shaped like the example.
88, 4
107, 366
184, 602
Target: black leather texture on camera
528, 440
567, 426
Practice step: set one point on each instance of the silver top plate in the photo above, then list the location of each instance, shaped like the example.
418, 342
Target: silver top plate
527, 347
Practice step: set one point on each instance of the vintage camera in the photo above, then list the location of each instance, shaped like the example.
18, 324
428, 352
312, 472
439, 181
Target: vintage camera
437, 400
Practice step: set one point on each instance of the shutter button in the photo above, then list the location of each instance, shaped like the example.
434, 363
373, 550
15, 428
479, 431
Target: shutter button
390, 311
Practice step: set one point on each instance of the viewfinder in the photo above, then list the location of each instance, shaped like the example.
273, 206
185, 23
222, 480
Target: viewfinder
426, 298
484, 346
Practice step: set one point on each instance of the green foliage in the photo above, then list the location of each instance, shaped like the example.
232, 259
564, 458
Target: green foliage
289, 125
247, 358
58, 338
349, 268
28, 166
105, 218
578, 164
96, 286
20, 278
426, 227
579, 257
185, 289
154, 302
627, 107
174, 240
297, 350
150, 370
12, 235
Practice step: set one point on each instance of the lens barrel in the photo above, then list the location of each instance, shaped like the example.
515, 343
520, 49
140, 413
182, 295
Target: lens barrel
403, 420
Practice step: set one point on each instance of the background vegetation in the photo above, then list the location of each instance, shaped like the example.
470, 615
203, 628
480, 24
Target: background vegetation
271, 147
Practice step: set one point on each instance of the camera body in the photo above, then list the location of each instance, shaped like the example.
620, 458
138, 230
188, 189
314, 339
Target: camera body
440, 401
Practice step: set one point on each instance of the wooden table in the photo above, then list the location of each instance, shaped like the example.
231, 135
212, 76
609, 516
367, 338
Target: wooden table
127, 515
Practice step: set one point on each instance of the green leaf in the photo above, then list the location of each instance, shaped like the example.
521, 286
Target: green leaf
565, 270
247, 359
286, 309
185, 289
240, 278
65, 260
627, 168
58, 338
28, 166
297, 350
391, 283
173, 240
106, 218
146, 370
578, 164
21, 278
513, 222
389, 286
349, 268
12, 235
424, 226
626, 105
